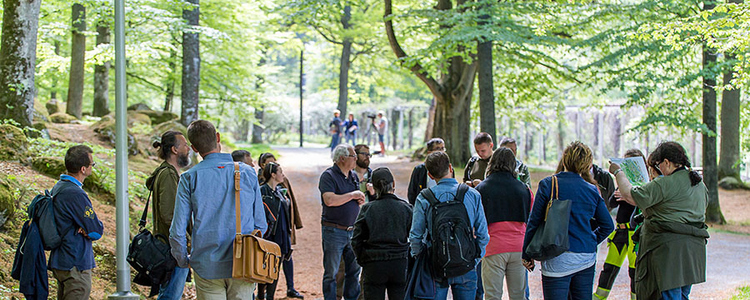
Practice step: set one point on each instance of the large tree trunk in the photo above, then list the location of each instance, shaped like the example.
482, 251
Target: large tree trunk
18, 59
710, 174
257, 129
346, 53
77, 60
429, 130
169, 86
191, 65
730, 124
101, 76
486, 90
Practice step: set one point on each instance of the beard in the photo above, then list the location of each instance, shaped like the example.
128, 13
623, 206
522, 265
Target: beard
183, 160
363, 164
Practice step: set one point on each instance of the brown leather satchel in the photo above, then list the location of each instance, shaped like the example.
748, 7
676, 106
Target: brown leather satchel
254, 259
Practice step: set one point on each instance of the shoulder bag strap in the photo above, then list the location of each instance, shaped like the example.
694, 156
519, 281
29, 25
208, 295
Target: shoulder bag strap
142, 222
553, 195
238, 213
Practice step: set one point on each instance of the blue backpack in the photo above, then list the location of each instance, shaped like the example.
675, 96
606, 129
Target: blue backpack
42, 211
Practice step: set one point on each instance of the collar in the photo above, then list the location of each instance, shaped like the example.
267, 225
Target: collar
72, 179
218, 157
447, 181
338, 170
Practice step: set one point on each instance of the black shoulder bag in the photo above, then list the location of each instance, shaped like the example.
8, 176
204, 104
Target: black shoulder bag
150, 255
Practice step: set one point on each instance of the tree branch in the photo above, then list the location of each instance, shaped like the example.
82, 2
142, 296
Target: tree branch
144, 80
326, 37
417, 69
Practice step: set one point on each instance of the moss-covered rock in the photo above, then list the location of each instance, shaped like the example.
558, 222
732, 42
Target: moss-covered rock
13, 143
61, 117
105, 129
7, 202
53, 106
139, 106
731, 183
40, 112
158, 117
166, 126
50, 166
136, 117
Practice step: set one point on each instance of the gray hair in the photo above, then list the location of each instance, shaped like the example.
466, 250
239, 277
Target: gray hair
342, 150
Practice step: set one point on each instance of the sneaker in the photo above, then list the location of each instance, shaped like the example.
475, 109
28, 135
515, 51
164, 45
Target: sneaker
294, 294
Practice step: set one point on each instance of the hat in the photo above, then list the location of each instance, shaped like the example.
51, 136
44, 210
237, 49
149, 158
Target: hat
382, 173
336, 111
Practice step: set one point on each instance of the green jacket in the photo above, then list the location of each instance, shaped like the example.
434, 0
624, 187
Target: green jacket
163, 186
671, 255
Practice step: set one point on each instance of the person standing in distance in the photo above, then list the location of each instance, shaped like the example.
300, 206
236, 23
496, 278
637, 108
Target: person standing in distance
521, 169
335, 129
173, 149
382, 131
71, 263
205, 195
341, 198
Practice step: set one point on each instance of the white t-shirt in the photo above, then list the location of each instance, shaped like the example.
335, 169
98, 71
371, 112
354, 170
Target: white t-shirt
382, 126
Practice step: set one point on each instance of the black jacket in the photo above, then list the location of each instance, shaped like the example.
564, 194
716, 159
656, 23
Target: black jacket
273, 205
505, 198
381, 231
417, 183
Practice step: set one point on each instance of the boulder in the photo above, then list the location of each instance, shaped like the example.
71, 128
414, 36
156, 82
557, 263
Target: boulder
61, 117
731, 183
137, 118
158, 117
40, 112
50, 166
7, 202
13, 143
105, 130
53, 106
171, 125
139, 106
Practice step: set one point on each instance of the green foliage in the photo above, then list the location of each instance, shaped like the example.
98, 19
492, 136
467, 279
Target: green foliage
744, 293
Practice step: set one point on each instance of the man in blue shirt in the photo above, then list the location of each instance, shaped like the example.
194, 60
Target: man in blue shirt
205, 195
439, 169
335, 129
341, 199
350, 129
71, 263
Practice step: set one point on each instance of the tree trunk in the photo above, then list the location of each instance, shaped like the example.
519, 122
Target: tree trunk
486, 90
411, 128
53, 92
257, 128
346, 53
729, 158
191, 65
242, 131
101, 76
560, 136
429, 132
617, 136
18, 59
169, 89
77, 59
710, 174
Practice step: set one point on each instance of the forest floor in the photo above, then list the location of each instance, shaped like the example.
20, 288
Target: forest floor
728, 267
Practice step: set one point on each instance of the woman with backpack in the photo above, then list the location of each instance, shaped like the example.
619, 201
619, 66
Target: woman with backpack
673, 236
381, 240
278, 209
507, 203
572, 272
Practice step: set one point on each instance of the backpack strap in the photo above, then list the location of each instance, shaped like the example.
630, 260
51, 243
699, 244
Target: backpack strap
470, 165
461, 192
429, 196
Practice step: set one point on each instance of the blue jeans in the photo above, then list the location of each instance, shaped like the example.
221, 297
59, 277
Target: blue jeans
174, 287
480, 288
680, 293
335, 140
336, 245
464, 287
351, 138
578, 285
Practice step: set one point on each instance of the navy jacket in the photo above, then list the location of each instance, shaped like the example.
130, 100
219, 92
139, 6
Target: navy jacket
30, 263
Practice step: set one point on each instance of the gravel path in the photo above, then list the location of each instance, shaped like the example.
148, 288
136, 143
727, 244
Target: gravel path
728, 254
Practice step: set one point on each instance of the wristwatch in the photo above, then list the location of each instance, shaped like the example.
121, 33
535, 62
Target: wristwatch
615, 173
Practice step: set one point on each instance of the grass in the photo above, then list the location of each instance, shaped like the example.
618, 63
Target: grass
744, 293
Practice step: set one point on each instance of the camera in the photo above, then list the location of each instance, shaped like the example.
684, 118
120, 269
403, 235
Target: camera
372, 116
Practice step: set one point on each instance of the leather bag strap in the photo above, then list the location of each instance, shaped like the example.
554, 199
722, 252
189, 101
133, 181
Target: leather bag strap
554, 194
238, 213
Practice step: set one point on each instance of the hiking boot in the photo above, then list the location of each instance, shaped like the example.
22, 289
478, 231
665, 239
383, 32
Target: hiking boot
294, 294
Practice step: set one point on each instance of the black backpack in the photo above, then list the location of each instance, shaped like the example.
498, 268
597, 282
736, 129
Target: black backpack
454, 248
43, 213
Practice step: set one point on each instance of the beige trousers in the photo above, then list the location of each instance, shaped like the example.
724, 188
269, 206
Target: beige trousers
503, 267
223, 289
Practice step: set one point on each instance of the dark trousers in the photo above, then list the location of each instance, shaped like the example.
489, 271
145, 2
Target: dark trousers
267, 291
73, 284
575, 286
381, 276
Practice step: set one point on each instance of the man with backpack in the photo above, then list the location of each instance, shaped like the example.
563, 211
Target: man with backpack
449, 224
78, 225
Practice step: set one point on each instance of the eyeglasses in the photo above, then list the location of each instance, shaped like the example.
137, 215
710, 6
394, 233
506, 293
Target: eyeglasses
351, 155
365, 154
93, 164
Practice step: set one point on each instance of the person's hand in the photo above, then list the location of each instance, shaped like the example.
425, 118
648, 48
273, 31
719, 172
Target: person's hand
83, 232
475, 182
469, 183
370, 189
529, 264
358, 196
617, 195
613, 167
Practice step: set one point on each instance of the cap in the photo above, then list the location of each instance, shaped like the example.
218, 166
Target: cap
382, 173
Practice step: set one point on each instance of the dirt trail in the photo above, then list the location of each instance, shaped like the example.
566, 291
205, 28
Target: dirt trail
728, 264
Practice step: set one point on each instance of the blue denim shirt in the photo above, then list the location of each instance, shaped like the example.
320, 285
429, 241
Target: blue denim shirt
205, 194
444, 191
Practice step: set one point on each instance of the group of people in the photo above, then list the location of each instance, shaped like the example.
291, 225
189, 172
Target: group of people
349, 129
390, 240
478, 229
